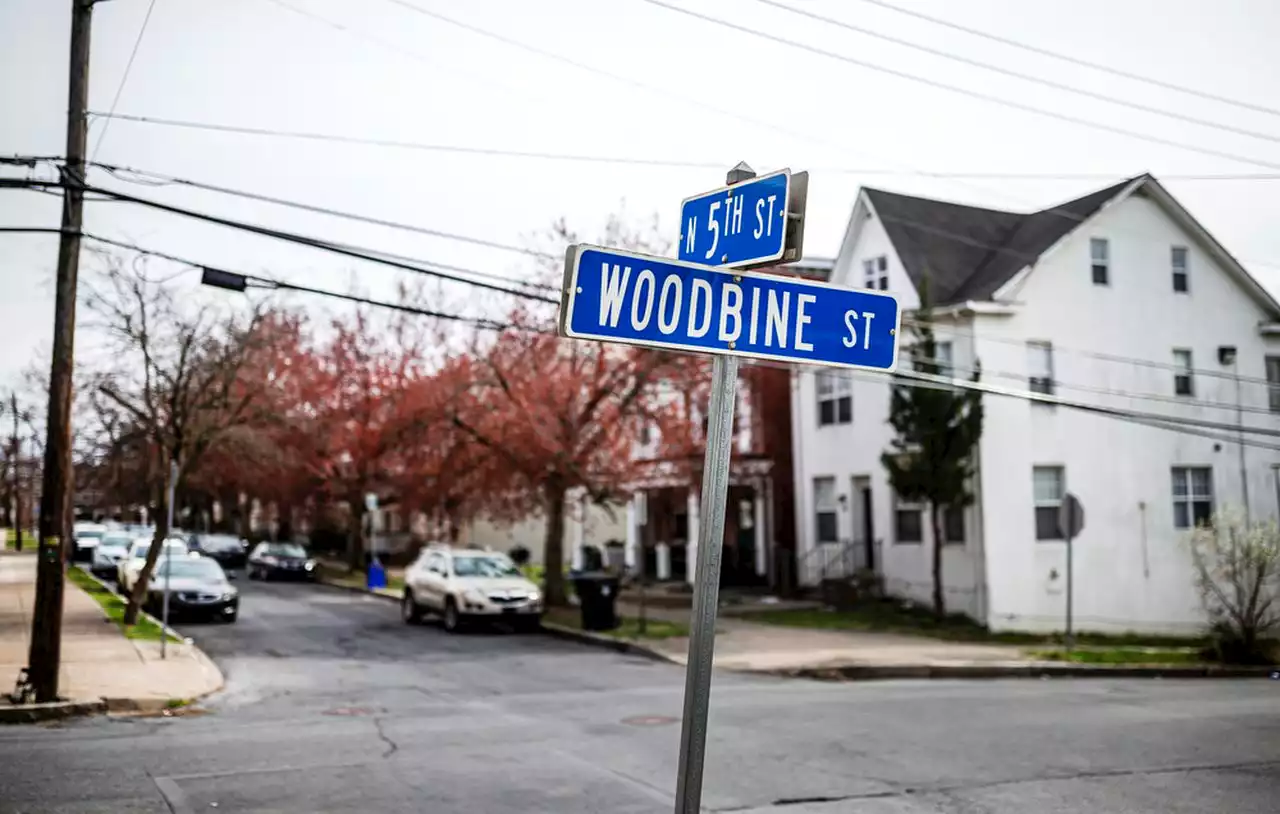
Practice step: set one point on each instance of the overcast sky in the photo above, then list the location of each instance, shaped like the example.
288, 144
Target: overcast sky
399, 75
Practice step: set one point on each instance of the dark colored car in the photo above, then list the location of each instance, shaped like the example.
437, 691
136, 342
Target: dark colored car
228, 550
198, 589
280, 561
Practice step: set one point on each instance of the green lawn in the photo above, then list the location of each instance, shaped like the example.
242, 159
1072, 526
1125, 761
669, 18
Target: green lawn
1121, 655
114, 606
629, 629
894, 617
340, 575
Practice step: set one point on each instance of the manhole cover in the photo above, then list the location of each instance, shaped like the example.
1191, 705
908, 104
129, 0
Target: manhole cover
649, 720
351, 711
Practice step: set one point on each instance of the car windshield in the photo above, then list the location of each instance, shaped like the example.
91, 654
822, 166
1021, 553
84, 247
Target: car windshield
473, 566
112, 545
113, 538
284, 550
177, 546
220, 543
89, 534
193, 567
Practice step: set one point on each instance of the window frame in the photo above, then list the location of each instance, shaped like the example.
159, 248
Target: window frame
1184, 272
1190, 498
1271, 362
1103, 263
901, 507
1041, 503
1040, 384
875, 272
830, 387
1184, 374
819, 510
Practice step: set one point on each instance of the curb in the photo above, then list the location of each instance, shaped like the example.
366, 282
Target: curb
55, 711
606, 642
875, 672
178, 637
355, 589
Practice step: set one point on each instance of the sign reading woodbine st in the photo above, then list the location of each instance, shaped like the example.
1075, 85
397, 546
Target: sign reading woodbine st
638, 299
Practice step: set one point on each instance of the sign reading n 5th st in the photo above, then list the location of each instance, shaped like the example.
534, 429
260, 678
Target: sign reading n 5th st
637, 299
737, 225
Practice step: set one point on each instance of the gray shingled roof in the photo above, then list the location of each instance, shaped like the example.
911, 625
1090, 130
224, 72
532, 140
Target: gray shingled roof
968, 252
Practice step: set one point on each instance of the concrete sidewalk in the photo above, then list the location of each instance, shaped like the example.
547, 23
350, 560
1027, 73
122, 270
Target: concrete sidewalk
98, 663
754, 646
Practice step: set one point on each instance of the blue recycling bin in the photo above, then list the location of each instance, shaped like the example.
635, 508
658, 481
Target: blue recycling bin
376, 576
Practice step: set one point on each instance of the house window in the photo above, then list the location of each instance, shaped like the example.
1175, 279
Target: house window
824, 509
835, 399
1182, 384
1040, 367
1178, 261
1049, 483
1192, 496
908, 522
1100, 259
942, 355
953, 524
875, 272
1273, 382
646, 434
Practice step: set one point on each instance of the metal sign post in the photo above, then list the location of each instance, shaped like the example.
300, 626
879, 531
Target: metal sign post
711, 305
1071, 522
168, 559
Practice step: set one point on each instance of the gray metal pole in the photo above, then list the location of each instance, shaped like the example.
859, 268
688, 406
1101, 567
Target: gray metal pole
706, 594
1071, 637
168, 558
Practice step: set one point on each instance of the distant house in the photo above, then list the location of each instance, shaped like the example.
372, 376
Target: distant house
1119, 299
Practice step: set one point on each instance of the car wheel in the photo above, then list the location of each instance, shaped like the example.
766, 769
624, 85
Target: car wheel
452, 619
410, 610
529, 624
230, 618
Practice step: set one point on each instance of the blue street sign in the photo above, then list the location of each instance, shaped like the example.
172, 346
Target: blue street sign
638, 299
737, 225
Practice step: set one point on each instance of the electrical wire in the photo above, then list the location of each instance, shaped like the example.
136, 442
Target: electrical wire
338, 138
164, 180
975, 94
347, 250
977, 63
1074, 60
115, 101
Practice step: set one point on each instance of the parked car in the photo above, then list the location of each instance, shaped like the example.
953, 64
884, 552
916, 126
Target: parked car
198, 588
280, 561
86, 537
108, 554
129, 568
228, 550
463, 585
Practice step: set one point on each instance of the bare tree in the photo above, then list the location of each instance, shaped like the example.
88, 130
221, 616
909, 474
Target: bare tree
1237, 570
178, 379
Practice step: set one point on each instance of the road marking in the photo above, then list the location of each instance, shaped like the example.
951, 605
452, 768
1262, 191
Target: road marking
173, 795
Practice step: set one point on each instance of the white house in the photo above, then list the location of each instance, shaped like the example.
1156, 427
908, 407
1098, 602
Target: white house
1117, 299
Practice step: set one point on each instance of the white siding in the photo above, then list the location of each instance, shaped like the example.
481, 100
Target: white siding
1132, 571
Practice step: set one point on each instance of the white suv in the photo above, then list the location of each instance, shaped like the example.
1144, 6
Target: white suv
465, 585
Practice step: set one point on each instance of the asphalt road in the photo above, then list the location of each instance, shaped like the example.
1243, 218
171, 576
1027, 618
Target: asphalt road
333, 705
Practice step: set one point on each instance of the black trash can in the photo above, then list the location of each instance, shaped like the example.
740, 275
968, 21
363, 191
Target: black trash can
597, 597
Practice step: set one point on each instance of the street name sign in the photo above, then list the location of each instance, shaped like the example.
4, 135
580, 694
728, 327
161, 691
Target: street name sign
637, 299
755, 222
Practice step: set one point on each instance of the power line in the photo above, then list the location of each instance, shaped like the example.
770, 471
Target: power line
1035, 49
975, 94
162, 180
1104, 357
466, 149
977, 63
357, 252
142, 30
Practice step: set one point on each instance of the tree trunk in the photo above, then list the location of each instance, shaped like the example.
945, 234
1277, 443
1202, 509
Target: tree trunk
935, 519
553, 547
138, 593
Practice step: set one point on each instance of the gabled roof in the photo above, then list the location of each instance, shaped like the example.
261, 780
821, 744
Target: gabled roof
968, 252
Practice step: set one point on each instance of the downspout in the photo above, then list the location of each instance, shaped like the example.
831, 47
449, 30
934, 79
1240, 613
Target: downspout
980, 551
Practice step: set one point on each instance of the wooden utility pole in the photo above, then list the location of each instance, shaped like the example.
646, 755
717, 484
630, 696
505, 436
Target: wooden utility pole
45, 655
16, 463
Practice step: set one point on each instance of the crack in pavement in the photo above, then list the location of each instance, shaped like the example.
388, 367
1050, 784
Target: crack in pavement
951, 790
392, 746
